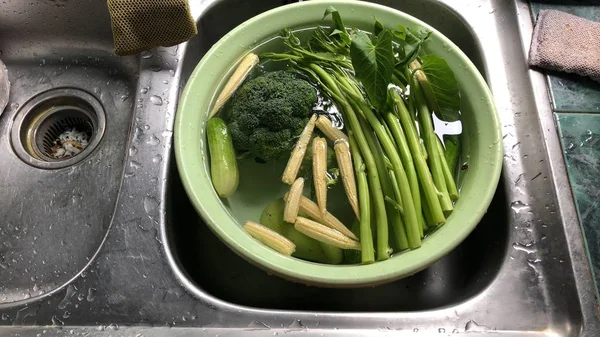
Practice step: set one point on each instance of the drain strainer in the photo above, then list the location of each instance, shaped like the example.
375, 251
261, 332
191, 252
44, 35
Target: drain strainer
58, 128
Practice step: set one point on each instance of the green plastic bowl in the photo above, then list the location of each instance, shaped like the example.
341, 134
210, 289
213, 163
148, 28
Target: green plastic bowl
481, 148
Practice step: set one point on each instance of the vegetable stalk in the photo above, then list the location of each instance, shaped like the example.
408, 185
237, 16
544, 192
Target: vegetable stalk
388, 186
374, 183
426, 181
410, 215
366, 236
429, 137
450, 184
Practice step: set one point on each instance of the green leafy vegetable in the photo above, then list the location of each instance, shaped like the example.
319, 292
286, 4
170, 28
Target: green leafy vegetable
378, 27
400, 32
411, 44
338, 24
373, 64
442, 87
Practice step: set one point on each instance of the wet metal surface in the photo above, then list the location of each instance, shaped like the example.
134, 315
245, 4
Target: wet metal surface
523, 271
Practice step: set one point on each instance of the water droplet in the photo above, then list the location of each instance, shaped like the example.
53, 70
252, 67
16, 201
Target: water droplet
296, 325
156, 100
172, 72
473, 326
155, 68
165, 82
147, 55
532, 263
150, 204
42, 62
81, 296
36, 288
144, 90
129, 175
71, 290
157, 159
136, 165
57, 322
524, 247
97, 90
415, 330
455, 331
518, 206
257, 325
14, 106
133, 151
66, 314
441, 330
113, 327
5, 317
154, 141
124, 97
91, 295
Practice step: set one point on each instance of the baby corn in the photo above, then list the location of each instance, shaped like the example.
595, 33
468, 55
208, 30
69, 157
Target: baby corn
324, 234
320, 172
295, 161
240, 73
292, 201
342, 154
270, 238
334, 134
312, 210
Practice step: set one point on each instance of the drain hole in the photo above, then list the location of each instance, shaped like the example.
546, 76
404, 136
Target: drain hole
58, 128
64, 133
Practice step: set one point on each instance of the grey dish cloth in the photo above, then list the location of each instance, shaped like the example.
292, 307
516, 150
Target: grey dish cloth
565, 42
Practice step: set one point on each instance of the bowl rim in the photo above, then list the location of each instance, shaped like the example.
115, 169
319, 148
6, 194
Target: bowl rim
293, 268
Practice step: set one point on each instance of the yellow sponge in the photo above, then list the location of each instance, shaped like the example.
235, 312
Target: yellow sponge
139, 25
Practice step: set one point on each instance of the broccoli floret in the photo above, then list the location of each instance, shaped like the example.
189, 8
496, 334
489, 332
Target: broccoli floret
268, 113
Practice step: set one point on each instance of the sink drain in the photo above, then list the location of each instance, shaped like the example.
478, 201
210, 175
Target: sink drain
58, 128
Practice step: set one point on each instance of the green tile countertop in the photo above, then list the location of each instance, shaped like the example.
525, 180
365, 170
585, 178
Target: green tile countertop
576, 103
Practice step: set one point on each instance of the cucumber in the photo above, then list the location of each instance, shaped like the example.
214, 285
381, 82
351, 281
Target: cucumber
223, 162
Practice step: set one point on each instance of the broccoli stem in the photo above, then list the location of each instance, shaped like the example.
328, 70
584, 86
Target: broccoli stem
388, 187
414, 231
429, 137
374, 183
426, 181
450, 184
410, 215
366, 236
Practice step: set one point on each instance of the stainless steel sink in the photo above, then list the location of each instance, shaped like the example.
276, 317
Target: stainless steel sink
54, 218
148, 265
215, 269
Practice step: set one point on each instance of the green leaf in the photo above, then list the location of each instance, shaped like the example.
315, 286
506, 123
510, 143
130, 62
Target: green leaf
377, 28
451, 151
400, 32
412, 44
337, 19
343, 36
443, 91
373, 64
338, 24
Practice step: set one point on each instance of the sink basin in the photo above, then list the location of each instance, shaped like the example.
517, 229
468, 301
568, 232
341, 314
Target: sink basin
55, 216
215, 269
147, 266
